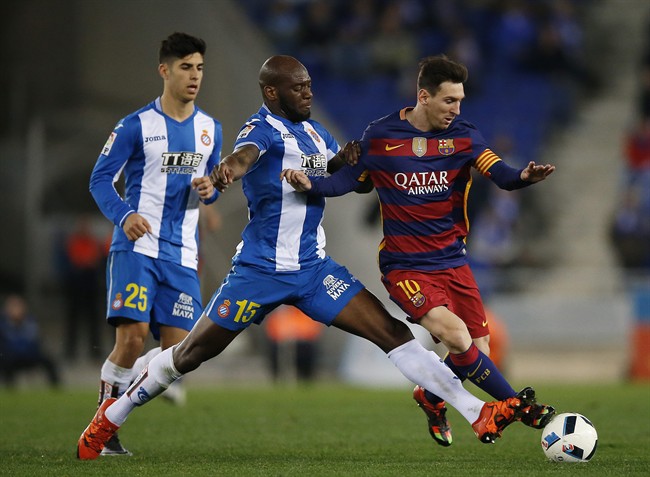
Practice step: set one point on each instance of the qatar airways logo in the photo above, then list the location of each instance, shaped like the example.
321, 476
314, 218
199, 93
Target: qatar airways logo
420, 183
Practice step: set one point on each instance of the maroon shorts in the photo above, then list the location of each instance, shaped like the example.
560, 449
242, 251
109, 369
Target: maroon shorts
416, 292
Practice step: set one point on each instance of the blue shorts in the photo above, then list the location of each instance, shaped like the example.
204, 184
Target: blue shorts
153, 291
247, 294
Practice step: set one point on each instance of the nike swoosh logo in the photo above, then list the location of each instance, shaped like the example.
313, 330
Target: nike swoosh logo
390, 148
484, 323
471, 375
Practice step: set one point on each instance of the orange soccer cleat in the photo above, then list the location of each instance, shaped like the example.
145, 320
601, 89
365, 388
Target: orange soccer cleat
495, 417
99, 431
439, 426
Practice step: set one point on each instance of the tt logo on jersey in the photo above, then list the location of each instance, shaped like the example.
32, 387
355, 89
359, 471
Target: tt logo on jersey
180, 162
418, 183
313, 164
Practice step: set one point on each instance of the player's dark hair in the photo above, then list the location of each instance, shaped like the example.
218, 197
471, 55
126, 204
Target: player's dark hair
179, 45
435, 70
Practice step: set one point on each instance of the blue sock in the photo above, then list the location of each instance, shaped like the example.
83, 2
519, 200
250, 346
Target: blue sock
479, 368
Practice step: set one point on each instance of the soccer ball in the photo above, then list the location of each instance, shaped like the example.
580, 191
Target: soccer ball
569, 437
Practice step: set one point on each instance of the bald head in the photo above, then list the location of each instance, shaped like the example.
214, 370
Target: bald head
286, 87
279, 68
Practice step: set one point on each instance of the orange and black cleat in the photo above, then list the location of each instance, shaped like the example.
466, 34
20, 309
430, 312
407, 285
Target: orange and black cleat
439, 426
97, 434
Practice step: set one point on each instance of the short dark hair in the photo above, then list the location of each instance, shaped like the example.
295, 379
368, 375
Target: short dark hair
435, 70
179, 45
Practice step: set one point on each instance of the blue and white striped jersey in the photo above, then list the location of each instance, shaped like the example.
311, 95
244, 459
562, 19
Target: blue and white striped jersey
159, 158
284, 231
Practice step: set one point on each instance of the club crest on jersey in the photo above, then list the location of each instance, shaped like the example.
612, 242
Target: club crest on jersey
419, 146
223, 310
418, 299
117, 302
314, 135
446, 147
184, 307
206, 140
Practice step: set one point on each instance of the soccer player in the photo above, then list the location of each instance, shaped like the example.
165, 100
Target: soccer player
281, 260
420, 160
165, 150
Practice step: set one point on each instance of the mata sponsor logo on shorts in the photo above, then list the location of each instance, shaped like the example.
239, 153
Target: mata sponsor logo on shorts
184, 307
335, 286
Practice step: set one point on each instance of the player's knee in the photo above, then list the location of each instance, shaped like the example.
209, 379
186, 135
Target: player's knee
456, 340
132, 341
448, 328
127, 349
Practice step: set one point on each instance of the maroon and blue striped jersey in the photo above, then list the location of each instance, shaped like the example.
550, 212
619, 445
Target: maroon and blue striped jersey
423, 181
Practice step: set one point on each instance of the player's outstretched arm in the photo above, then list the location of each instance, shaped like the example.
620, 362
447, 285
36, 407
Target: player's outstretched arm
234, 166
536, 173
296, 179
349, 154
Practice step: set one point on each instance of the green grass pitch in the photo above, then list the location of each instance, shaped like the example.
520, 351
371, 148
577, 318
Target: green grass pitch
323, 429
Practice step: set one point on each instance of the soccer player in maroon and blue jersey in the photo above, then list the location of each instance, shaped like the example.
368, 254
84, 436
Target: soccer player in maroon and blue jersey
420, 160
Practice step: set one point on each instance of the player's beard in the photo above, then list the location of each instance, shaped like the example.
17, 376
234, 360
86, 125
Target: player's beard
291, 114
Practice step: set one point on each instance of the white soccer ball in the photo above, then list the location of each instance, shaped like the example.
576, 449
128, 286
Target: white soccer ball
569, 437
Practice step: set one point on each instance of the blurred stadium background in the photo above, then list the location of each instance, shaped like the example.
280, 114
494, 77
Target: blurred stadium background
564, 265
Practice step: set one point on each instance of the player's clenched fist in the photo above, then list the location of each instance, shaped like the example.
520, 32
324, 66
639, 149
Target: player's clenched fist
135, 226
221, 176
203, 186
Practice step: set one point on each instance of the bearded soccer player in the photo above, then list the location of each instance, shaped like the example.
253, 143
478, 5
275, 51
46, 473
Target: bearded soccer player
420, 160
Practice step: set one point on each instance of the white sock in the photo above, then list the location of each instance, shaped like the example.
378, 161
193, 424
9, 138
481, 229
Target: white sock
426, 369
154, 379
115, 380
142, 361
